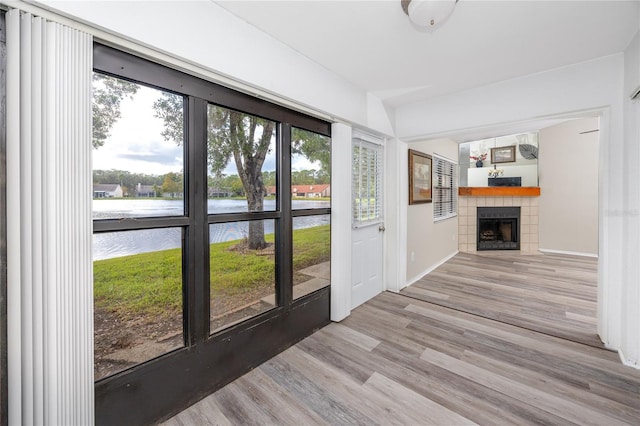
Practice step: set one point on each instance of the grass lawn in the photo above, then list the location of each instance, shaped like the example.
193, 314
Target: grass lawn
151, 283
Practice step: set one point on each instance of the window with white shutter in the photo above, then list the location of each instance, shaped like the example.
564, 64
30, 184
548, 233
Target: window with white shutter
367, 183
445, 188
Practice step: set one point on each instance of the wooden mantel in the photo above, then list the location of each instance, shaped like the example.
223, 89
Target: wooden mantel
499, 191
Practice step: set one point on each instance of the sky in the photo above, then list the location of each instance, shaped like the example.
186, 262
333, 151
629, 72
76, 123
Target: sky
135, 143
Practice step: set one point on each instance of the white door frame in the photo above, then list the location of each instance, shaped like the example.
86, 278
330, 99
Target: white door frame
340, 221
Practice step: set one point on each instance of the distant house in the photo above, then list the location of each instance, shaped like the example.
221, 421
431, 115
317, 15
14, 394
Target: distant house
107, 190
307, 191
146, 191
311, 191
219, 192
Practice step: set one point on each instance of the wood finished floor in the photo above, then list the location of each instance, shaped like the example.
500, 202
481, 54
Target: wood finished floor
398, 360
550, 293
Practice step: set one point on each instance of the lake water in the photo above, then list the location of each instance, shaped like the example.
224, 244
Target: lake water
115, 244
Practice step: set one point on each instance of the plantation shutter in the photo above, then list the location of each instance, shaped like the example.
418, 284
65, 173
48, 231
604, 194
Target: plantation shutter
367, 163
445, 188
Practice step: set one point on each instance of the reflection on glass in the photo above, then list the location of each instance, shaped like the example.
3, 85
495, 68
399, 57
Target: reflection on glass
242, 271
310, 169
311, 254
138, 150
241, 161
137, 301
477, 168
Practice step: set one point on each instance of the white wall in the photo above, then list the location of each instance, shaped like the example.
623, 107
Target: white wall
570, 89
568, 168
429, 243
630, 308
575, 90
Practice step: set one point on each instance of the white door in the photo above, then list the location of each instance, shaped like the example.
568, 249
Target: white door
367, 220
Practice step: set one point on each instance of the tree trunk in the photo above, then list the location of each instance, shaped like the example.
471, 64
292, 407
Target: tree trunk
249, 161
255, 203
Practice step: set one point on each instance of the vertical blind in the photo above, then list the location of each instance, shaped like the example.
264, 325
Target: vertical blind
445, 188
367, 163
49, 267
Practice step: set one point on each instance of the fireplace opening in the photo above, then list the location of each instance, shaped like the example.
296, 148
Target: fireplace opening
498, 228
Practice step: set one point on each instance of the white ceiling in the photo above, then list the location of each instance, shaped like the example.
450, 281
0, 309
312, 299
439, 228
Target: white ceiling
374, 45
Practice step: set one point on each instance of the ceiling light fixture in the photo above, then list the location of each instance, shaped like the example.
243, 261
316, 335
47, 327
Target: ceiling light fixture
429, 14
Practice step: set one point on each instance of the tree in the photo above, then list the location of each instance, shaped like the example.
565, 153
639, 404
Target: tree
245, 139
313, 146
322, 177
269, 178
303, 177
236, 185
172, 183
108, 93
157, 190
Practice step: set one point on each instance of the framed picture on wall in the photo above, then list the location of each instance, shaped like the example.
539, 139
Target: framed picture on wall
419, 177
503, 154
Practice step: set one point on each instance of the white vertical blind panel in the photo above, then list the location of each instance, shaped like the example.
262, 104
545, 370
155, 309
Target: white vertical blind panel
26, 247
72, 66
51, 232
14, 339
36, 225
50, 284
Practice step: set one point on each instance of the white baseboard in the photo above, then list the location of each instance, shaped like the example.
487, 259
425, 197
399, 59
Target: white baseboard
571, 253
626, 361
430, 269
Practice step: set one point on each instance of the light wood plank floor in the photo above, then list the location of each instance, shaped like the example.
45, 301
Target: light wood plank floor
401, 361
550, 293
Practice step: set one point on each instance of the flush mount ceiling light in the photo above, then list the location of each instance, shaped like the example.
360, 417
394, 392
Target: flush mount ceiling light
429, 14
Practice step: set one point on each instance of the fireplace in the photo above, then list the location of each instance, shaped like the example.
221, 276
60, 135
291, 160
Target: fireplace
498, 228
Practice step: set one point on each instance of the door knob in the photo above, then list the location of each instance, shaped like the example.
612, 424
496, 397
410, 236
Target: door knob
381, 228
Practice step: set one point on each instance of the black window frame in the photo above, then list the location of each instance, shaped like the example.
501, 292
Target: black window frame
183, 376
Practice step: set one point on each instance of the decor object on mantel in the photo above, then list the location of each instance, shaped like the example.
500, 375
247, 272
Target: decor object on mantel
528, 151
479, 158
495, 172
428, 14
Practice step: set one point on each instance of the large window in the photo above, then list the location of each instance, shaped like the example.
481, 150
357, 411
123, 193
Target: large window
445, 188
211, 234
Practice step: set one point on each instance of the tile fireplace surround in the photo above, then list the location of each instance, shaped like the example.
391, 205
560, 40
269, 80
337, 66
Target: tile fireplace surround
468, 219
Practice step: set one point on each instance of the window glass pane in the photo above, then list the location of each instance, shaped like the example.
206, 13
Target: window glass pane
310, 170
242, 271
367, 181
311, 254
137, 298
241, 162
138, 155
